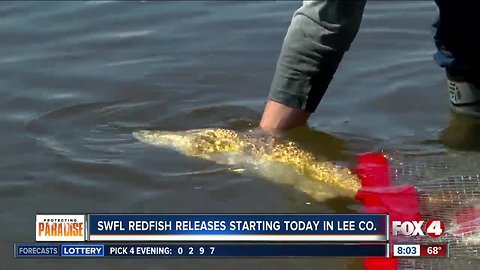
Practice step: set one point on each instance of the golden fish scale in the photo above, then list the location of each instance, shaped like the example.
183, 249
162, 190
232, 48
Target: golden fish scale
215, 141
322, 171
221, 140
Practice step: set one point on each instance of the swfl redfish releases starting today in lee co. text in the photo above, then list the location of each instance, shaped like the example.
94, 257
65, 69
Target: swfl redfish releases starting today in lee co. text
221, 225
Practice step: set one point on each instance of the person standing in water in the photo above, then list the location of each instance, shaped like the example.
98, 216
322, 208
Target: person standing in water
322, 31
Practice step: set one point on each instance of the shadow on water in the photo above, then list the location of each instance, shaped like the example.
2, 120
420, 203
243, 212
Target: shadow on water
462, 133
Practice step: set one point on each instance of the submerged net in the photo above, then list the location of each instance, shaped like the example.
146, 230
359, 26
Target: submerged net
449, 193
448, 189
437, 264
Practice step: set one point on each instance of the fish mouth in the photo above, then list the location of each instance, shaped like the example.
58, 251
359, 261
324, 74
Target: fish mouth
168, 139
149, 136
142, 135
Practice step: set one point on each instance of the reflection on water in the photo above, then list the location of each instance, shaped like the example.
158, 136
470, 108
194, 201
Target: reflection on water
79, 77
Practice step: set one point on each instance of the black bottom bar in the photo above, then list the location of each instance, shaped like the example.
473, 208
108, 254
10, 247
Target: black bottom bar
200, 250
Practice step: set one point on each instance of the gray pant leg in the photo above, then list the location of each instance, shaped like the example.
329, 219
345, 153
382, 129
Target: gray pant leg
319, 34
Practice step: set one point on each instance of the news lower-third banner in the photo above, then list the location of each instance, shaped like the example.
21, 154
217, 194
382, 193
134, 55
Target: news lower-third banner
213, 227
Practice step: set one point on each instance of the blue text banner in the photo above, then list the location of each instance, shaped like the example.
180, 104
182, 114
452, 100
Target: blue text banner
237, 227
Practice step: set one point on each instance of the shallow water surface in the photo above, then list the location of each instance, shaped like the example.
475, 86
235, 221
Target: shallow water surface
78, 77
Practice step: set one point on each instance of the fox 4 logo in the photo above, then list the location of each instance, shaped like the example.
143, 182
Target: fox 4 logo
434, 228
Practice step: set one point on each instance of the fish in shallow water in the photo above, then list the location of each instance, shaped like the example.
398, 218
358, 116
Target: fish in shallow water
272, 157
275, 158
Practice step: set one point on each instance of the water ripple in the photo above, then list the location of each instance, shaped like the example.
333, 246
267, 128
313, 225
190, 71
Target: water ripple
79, 77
